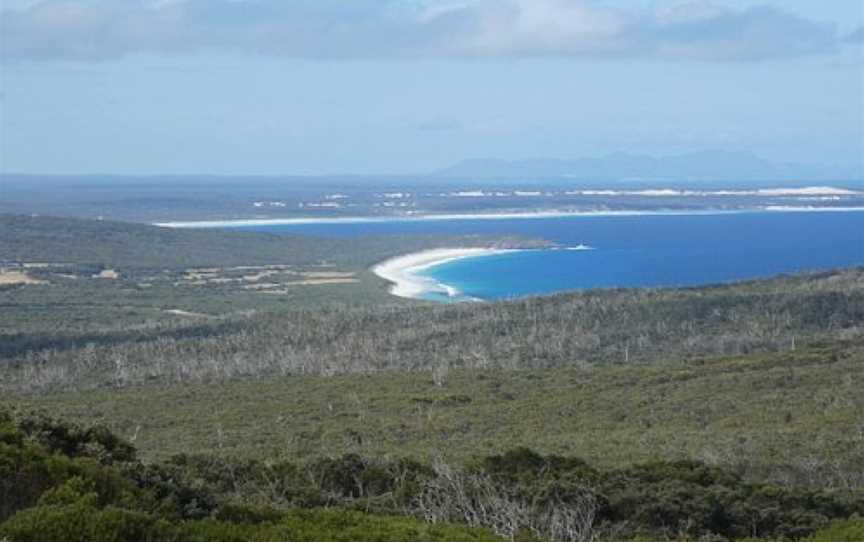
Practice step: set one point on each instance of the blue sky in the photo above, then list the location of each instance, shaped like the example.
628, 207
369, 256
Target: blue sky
389, 86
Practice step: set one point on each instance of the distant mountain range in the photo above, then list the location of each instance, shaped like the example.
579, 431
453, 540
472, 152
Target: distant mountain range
706, 165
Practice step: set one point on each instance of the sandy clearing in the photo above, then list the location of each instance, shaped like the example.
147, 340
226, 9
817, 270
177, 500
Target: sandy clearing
179, 312
261, 275
323, 281
328, 275
283, 288
107, 274
262, 286
18, 277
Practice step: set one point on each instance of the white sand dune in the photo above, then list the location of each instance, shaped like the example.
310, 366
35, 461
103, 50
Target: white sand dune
758, 192
404, 271
808, 209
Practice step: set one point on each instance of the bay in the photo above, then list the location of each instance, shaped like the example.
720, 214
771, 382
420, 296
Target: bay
630, 251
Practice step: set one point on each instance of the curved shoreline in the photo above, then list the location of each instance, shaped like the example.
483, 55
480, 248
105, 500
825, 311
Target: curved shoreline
227, 223
403, 271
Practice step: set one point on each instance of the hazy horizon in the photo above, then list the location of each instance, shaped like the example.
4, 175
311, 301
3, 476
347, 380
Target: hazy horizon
372, 87
701, 166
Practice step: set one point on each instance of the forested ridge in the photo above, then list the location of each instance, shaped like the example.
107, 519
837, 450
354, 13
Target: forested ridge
131, 246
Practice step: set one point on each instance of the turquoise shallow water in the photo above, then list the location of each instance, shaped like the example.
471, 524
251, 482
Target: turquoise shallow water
651, 250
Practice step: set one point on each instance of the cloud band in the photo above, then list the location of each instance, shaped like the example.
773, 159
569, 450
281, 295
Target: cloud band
93, 30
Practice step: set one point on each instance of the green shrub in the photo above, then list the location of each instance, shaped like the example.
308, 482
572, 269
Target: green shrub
72, 441
842, 531
83, 523
53, 488
80, 522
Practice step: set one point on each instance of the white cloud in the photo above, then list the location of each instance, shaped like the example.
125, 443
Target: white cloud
538, 26
107, 29
671, 14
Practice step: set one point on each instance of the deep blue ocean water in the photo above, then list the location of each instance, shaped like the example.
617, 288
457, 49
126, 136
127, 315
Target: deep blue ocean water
648, 250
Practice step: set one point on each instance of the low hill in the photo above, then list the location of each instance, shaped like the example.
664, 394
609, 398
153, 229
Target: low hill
127, 245
59, 274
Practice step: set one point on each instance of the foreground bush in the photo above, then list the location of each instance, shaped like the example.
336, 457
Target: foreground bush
83, 523
61, 483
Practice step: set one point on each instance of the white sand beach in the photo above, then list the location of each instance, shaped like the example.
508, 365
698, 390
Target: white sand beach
403, 271
806, 209
227, 223
366, 219
423, 218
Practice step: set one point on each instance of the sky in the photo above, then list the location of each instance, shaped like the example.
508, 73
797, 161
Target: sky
270, 87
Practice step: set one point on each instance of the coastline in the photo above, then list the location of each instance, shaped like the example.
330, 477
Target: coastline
403, 271
227, 223
408, 218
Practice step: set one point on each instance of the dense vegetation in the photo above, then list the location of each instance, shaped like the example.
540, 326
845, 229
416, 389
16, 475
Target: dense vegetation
569, 330
63, 483
129, 246
791, 418
154, 274
334, 412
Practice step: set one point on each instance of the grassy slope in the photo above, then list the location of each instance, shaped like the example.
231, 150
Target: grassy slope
758, 410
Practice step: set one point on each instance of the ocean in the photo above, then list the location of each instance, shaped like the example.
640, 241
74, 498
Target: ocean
629, 251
